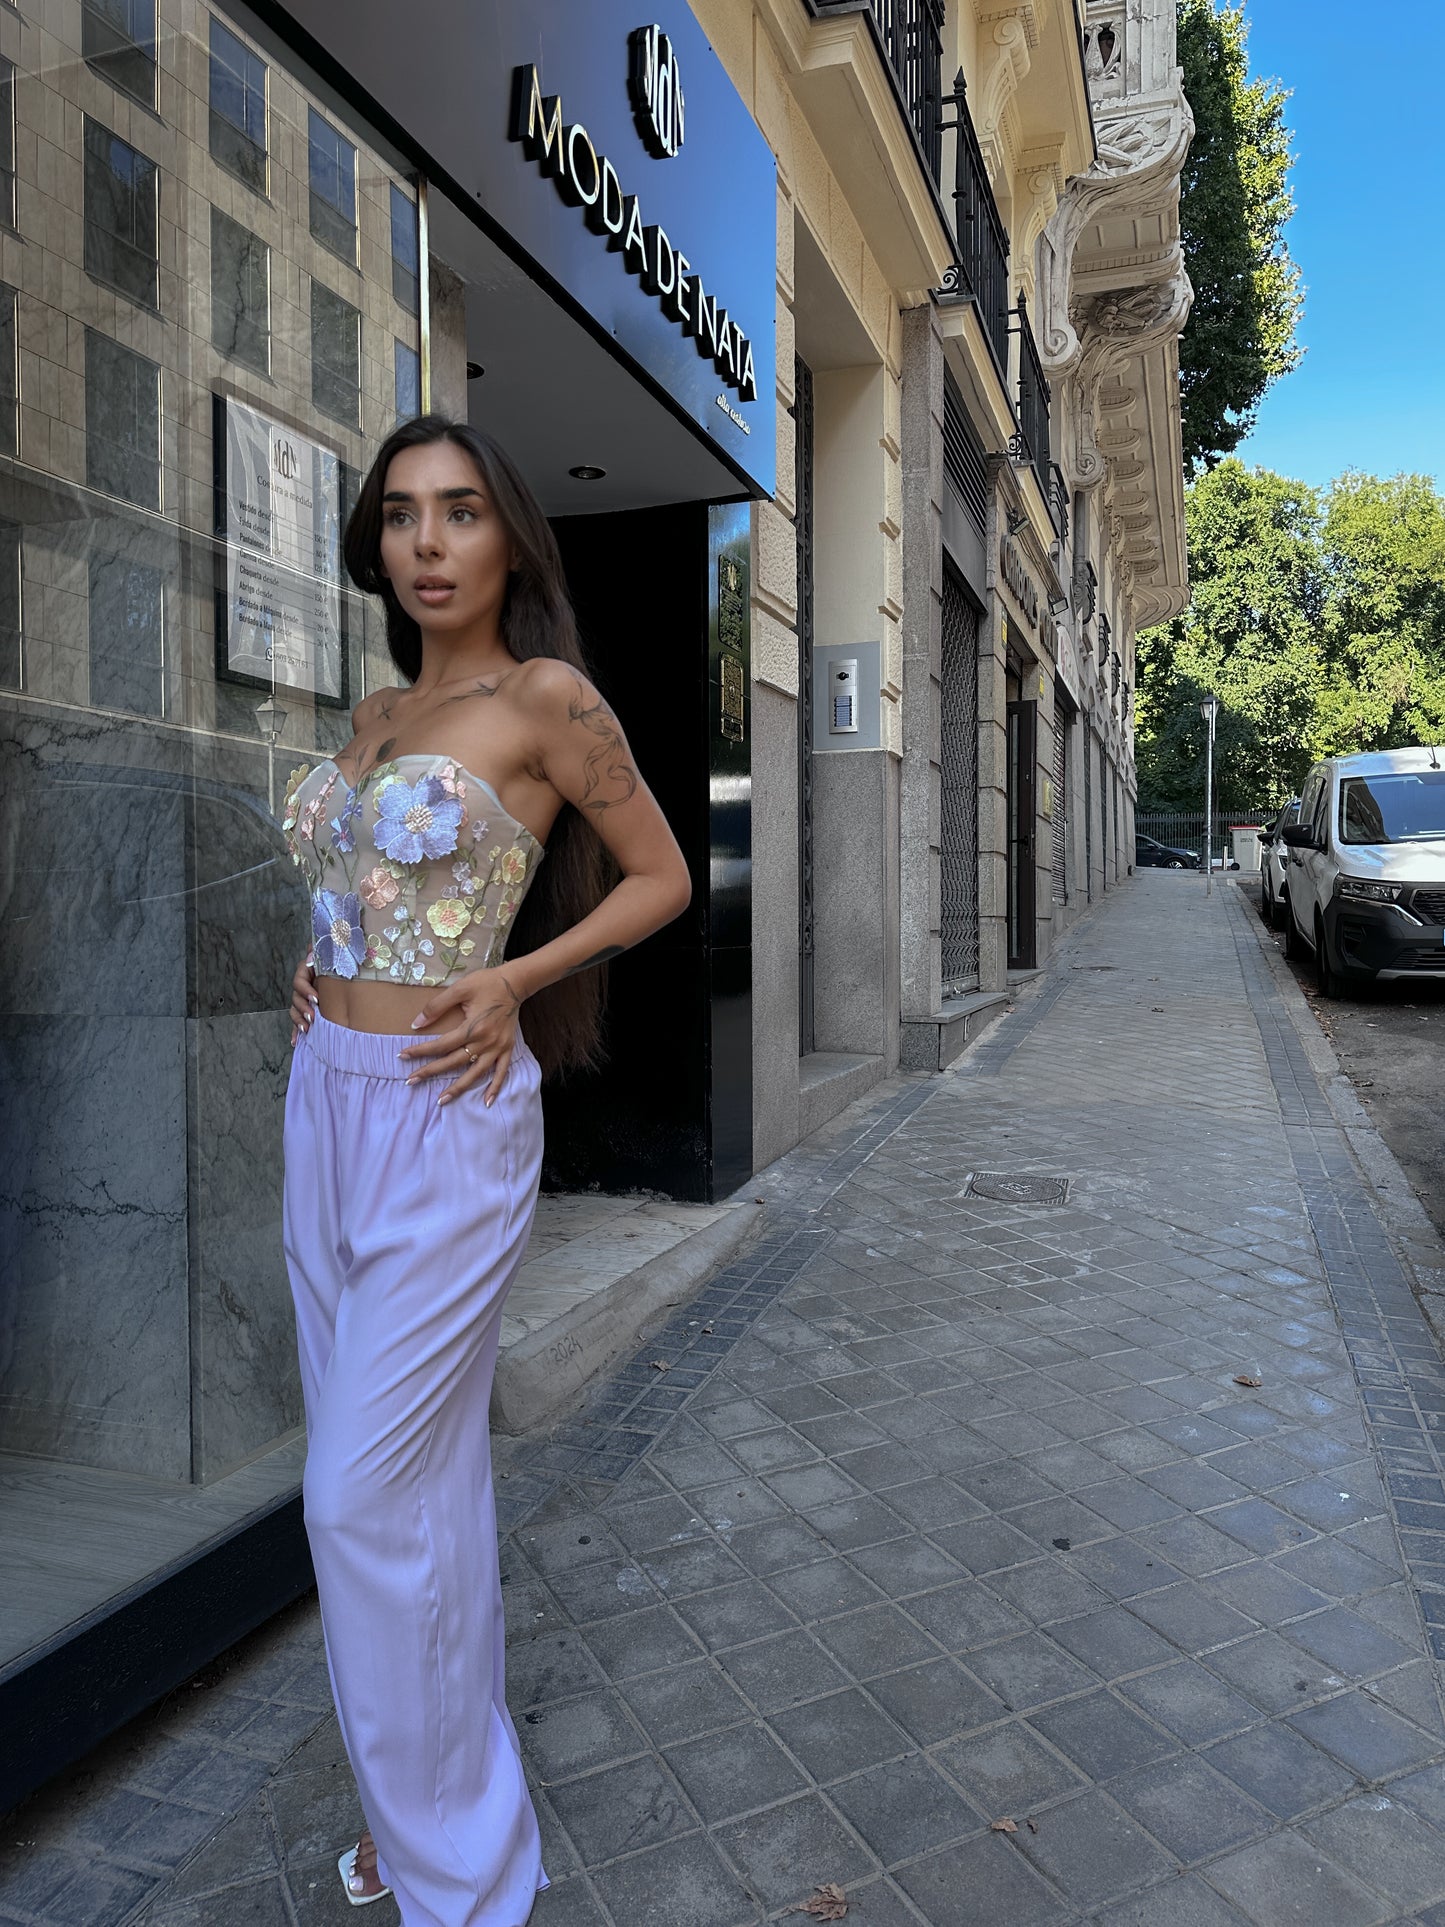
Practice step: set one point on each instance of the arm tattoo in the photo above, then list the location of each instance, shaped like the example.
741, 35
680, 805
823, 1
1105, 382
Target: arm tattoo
606, 761
601, 957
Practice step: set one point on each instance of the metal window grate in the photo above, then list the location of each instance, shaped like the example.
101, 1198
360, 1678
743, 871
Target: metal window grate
964, 460
1061, 808
958, 776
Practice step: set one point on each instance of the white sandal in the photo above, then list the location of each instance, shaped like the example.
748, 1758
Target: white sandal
346, 1867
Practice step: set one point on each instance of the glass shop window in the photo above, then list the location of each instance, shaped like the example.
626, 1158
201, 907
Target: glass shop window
405, 251
7, 144
177, 634
12, 658
408, 381
335, 355
240, 293
120, 215
9, 374
118, 38
122, 421
333, 187
238, 107
127, 635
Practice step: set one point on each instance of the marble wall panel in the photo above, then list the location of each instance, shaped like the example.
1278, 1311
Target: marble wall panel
92, 885
246, 1389
94, 1343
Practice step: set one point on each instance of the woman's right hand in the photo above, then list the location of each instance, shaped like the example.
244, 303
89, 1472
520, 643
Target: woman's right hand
303, 998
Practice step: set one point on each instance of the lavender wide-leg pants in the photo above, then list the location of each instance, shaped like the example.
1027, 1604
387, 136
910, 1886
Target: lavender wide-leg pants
405, 1224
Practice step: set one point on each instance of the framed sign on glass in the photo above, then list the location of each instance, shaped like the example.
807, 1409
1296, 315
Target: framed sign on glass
280, 594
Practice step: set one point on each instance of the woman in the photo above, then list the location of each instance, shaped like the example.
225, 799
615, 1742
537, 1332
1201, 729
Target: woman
414, 1131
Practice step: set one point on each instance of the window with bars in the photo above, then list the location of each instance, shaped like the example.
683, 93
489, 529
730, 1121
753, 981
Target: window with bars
127, 635
122, 421
120, 215
240, 293
332, 164
238, 107
335, 356
958, 789
118, 39
405, 251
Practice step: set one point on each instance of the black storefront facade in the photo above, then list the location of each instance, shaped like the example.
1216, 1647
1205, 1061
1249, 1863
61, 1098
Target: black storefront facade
592, 280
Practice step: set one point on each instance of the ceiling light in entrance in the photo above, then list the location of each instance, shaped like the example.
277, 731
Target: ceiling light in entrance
585, 472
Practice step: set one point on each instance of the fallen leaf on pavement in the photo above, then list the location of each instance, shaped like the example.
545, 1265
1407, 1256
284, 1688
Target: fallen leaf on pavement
828, 1902
1243, 1378
1032, 1825
659, 1366
1004, 1826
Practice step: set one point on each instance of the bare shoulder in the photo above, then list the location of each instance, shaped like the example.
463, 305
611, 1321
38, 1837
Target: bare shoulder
373, 708
553, 691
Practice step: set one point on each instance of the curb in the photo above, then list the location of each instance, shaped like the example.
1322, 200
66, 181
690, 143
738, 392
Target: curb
1407, 1226
542, 1375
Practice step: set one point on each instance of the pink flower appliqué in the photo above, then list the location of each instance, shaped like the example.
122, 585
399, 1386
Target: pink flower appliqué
379, 888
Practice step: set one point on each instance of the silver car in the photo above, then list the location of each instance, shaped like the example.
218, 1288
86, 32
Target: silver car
1273, 863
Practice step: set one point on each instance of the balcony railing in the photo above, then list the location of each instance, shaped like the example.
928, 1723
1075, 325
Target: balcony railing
1058, 494
910, 33
981, 238
1032, 440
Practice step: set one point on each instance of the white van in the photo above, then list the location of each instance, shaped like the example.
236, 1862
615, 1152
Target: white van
1364, 887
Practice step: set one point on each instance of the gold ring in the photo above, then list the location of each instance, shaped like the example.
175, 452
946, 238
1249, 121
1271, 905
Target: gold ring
471, 1054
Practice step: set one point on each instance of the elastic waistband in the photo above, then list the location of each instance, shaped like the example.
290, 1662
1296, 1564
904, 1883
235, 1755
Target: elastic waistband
363, 1053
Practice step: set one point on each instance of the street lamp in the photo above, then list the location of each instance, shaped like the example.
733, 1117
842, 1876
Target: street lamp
1209, 710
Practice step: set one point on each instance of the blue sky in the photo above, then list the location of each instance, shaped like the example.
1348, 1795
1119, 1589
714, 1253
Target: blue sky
1369, 126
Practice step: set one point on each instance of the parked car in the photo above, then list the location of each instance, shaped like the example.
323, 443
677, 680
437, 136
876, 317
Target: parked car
1365, 880
1150, 855
1273, 858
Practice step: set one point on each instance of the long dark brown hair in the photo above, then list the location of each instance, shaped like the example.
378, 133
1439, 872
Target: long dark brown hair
562, 1024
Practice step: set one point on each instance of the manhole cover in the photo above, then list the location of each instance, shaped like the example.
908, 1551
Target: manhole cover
1004, 1189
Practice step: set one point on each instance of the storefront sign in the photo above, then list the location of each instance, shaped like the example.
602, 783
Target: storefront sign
1021, 584
637, 186
586, 179
279, 511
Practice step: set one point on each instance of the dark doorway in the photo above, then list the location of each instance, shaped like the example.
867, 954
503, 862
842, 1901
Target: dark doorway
803, 433
662, 599
1022, 725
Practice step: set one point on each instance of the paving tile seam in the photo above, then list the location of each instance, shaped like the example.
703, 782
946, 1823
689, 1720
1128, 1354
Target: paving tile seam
1368, 1281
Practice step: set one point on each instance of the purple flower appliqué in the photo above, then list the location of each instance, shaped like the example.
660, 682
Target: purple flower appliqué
341, 838
417, 820
336, 927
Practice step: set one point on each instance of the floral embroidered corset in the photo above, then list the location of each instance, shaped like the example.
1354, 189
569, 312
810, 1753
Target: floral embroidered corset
415, 874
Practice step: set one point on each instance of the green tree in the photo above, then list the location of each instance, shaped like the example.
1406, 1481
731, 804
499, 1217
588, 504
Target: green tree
1384, 632
1235, 202
1320, 625
1252, 634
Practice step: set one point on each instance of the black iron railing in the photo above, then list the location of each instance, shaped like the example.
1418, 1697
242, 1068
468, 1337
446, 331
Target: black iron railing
1058, 494
979, 233
1033, 433
910, 32
1087, 597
